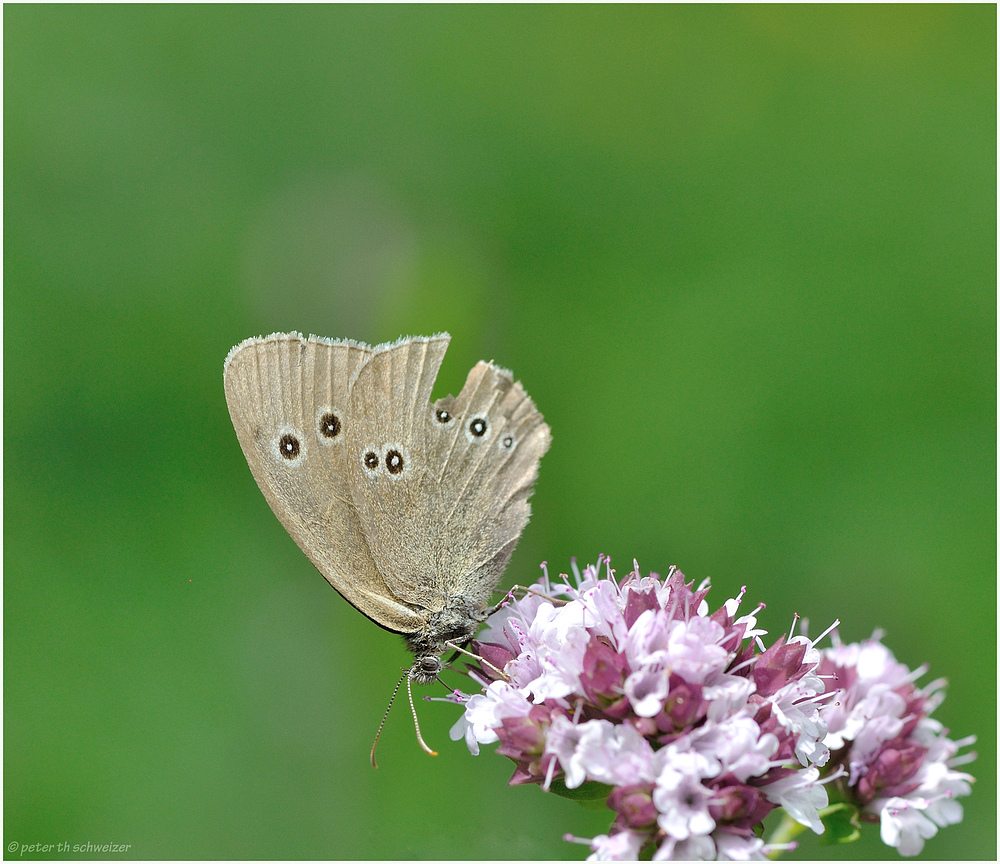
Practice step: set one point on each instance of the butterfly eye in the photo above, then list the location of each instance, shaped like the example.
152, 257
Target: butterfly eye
370, 461
442, 416
329, 425
507, 442
479, 427
430, 665
288, 446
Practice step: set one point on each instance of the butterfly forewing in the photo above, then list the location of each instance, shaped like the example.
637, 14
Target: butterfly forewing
288, 399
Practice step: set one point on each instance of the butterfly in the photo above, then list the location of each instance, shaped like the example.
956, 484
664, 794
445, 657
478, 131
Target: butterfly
409, 508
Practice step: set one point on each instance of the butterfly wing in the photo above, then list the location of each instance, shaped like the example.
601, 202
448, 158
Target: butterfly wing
289, 400
486, 476
395, 488
441, 489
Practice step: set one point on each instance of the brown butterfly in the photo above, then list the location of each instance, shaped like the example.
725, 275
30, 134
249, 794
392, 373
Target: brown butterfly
410, 509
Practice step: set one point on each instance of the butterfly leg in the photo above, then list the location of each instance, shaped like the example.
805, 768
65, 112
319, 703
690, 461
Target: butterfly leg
460, 650
527, 589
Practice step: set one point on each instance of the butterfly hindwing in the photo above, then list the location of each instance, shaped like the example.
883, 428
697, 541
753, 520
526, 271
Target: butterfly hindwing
486, 477
392, 480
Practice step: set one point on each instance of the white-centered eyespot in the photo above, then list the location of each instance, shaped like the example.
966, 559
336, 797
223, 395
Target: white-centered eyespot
370, 461
288, 446
477, 429
329, 425
395, 460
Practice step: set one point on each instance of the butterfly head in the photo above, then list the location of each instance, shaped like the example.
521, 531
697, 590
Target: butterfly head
425, 669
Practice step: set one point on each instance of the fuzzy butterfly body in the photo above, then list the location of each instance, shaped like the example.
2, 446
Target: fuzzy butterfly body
410, 509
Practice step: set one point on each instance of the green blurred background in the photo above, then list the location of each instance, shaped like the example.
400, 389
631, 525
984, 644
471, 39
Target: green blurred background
743, 258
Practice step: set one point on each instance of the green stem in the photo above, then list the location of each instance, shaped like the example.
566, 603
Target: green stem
788, 829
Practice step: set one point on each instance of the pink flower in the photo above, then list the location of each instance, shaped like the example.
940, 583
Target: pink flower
638, 687
900, 763
695, 730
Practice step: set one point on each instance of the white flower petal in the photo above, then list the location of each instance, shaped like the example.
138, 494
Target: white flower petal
802, 796
623, 846
905, 826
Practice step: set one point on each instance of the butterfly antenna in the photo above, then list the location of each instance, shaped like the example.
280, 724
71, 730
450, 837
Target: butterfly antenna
384, 716
416, 725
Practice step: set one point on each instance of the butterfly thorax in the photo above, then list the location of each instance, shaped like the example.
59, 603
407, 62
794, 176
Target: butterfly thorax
454, 625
